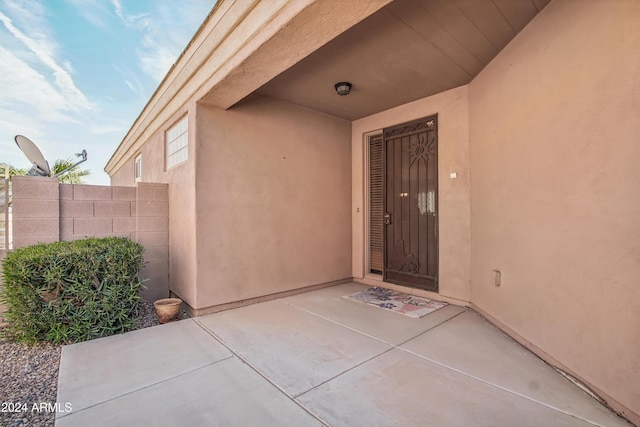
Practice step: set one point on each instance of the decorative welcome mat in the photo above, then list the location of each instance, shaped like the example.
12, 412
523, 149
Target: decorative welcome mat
397, 301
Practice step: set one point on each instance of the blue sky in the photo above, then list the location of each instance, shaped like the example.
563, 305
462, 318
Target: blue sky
75, 74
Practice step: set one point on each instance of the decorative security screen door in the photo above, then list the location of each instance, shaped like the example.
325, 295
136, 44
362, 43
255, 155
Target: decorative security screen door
411, 204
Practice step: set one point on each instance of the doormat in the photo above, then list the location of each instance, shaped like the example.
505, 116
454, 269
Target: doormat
406, 304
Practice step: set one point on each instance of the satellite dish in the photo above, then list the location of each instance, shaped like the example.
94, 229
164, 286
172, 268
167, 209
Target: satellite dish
40, 166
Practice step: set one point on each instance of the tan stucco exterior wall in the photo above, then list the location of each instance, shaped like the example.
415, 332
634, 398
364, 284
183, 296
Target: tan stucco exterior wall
453, 198
273, 200
554, 131
124, 177
181, 180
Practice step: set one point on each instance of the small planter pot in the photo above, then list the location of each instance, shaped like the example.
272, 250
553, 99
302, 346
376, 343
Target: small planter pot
167, 309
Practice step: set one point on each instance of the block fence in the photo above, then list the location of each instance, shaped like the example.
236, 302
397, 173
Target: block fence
45, 211
4, 216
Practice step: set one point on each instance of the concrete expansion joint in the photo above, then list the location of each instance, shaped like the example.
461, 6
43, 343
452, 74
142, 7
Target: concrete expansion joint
392, 346
473, 377
431, 328
258, 371
136, 390
334, 322
345, 371
316, 370
399, 347
242, 359
365, 334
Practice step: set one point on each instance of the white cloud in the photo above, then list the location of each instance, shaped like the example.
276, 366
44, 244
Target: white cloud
29, 14
24, 86
118, 7
68, 66
102, 129
95, 12
156, 57
45, 53
38, 95
14, 123
131, 78
36, 92
136, 88
130, 20
162, 30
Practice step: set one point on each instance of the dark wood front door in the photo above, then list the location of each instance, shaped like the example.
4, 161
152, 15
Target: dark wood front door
411, 204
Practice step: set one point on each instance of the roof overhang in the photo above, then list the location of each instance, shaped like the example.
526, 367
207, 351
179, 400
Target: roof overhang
296, 50
407, 50
241, 46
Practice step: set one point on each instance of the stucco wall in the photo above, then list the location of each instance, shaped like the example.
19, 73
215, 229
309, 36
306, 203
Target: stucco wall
273, 200
181, 180
554, 131
124, 177
453, 194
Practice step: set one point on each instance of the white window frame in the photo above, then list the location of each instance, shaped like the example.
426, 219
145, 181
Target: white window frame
137, 167
177, 143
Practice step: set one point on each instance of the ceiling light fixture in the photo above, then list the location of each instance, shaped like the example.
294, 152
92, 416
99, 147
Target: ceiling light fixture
343, 88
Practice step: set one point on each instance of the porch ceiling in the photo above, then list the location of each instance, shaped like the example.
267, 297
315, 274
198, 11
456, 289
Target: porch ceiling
408, 50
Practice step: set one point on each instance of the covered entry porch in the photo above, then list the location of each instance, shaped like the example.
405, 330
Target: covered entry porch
537, 151
318, 359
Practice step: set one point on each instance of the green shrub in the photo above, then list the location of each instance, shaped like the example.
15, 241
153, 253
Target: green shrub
72, 291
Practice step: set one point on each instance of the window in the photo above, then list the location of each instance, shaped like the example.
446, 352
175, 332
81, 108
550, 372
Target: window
138, 167
376, 204
177, 139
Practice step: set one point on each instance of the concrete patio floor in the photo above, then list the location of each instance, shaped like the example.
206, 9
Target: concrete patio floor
319, 359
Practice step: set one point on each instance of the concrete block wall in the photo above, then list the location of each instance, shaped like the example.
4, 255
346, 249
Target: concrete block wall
36, 213
3, 308
4, 215
46, 211
96, 211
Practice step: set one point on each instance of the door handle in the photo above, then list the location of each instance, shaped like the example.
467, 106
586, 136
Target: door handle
387, 218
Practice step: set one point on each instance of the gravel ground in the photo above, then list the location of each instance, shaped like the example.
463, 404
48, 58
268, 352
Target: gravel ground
29, 376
